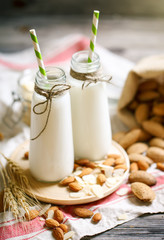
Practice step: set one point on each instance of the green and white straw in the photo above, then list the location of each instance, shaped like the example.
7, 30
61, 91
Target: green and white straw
93, 35
38, 53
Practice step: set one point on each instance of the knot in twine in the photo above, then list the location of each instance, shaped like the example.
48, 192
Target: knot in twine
56, 90
89, 78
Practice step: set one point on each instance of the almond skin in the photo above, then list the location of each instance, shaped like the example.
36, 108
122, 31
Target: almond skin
142, 176
59, 216
156, 154
101, 179
51, 223
82, 162
143, 165
133, 167
67, 180
32, 214
142, 113
142, 191
130, 138
64, 227
58, 233
154, 128
97, 217
137, 148
160, 166
135, 157
75, 186
157, 142
86, 171
83, 212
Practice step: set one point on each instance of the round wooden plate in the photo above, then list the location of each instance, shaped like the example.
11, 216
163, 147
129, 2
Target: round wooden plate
52, 192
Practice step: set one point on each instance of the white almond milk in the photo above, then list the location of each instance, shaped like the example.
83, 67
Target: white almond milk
90, 117
51, 154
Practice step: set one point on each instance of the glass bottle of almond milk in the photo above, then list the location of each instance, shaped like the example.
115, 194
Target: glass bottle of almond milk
51, 146
90, 111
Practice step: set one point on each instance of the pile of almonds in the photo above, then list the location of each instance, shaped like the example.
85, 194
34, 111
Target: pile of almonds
145, 143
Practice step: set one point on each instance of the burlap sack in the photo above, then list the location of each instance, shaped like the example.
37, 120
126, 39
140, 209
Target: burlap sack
148, 68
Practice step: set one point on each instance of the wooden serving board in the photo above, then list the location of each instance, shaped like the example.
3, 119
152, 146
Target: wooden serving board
52, 192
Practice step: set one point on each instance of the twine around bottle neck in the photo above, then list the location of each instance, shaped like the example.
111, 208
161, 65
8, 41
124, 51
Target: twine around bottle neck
56, 90
92, 77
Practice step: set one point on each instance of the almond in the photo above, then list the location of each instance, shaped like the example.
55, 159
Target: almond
82, 162
119, 161
154, 128
121, 166
109, 162
143, 165
148, 96
67, 180
133, 105
137, 148
76, 166
86, 171
97, 217
51, 223
118, 136
101, 179
144, 136
90, 165
161, 90
64, 227
115, 156
156, 154
1, 136
142, 176
148, 85
158, 109
143, 191
26, 155
83, 212
160, 166
54, 208
157, 142
158, 119
59, 216
31, 214
58, 233
75, 186
135, 157
133, 167
130, 138
142, 112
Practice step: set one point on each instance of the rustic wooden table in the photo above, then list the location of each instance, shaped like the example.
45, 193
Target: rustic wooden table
127, 37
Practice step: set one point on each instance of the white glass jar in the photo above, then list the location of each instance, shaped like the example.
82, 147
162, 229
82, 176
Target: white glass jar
90, 112
51, 146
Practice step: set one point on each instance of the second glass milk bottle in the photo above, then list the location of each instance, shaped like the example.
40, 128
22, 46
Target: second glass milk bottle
51, 146
90, 111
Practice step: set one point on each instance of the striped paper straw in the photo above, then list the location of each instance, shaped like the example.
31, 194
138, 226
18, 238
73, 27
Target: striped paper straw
93, 35
38, 53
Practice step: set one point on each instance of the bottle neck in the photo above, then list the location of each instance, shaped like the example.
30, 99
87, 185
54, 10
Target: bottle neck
80, 64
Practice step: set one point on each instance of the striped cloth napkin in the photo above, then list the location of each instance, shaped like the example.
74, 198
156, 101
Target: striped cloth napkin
110, 207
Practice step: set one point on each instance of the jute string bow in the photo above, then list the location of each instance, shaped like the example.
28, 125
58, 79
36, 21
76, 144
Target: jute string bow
92, 77
56, 90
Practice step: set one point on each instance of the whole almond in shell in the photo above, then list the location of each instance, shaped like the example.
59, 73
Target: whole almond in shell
157, 142
158, 109
130, 138
64, 227
160, 166
154, 128
97, 217
58, 233
75, 186
118, 136
83, 212
31, 214
86, 171
51, 223
137, 148
82, 162
135, 157
59, 216
142, 112
143, 191
147, 96
101, 179
156, 154
143, 165
133, 167
142, 176
148, 85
